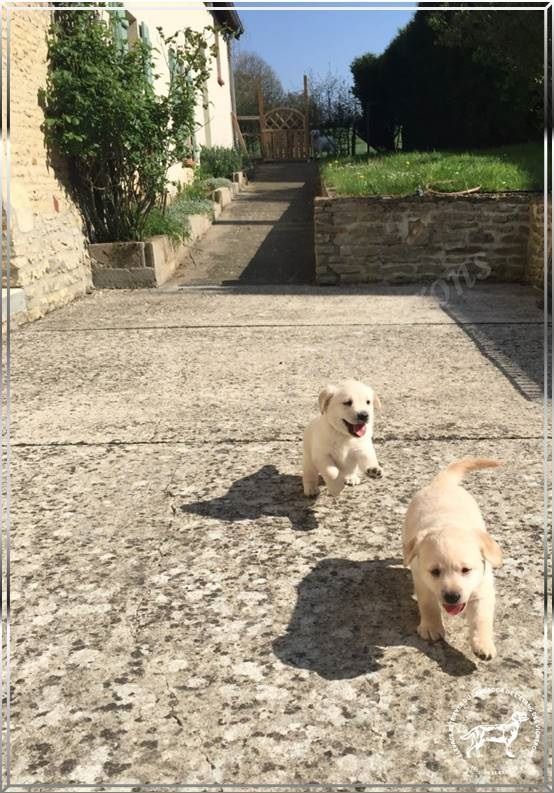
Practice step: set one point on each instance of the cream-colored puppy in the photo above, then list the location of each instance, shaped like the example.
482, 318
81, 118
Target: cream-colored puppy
338, 444
451, 556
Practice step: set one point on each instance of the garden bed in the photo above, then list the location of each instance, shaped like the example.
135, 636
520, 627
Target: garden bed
426, 216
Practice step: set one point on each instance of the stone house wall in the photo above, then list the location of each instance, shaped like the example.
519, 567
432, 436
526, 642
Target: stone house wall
49, 259
411, 239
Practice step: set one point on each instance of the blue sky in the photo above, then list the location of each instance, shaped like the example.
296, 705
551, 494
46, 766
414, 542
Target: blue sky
298, 42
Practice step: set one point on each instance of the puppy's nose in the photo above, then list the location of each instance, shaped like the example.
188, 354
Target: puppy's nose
363, 416
451, 597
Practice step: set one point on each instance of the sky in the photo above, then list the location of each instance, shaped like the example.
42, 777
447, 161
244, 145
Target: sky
295, 43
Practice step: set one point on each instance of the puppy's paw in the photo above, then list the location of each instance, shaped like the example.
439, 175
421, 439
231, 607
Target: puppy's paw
375, 473
483, 648
335, 486
311, 491
354, 479
431, 633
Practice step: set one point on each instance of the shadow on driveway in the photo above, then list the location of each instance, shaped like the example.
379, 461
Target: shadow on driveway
346, 614
516, 349
267, 492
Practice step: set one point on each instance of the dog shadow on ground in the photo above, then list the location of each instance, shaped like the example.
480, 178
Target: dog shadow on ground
266, 492
348, 612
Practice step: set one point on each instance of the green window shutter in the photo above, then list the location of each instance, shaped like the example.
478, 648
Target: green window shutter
144, 34
120, 25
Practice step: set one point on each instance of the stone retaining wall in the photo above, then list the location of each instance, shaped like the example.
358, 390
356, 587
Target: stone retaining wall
535, 252
412, 239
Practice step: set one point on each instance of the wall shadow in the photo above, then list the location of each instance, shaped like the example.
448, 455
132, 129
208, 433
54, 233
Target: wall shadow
264, 493
348, 612
516, 349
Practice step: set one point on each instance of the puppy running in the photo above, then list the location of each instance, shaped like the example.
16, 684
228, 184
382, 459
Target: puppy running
451, 556
338, 444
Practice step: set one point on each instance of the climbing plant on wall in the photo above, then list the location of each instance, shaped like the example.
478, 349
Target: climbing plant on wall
117, 135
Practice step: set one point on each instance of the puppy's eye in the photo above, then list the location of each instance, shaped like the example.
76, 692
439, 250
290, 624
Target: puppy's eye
348, 402
369, 402
466, 570
435, 572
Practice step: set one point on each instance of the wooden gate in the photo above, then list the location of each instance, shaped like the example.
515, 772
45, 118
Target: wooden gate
285, 134
282, 133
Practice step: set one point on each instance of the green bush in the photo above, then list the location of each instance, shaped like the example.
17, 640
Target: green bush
219, 161
116, 134
159, 222
190, 200
211, 184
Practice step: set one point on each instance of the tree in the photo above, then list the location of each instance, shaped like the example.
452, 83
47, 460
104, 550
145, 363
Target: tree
249, 69
332, 103
443, 84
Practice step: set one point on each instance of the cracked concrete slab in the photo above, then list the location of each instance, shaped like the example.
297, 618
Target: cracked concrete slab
181, 613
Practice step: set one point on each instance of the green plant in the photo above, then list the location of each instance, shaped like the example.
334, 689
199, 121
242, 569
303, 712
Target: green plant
159, 222
212, 183
117, 135
219, 161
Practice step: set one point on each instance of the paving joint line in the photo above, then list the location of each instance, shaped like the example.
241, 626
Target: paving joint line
262, 441
293, 325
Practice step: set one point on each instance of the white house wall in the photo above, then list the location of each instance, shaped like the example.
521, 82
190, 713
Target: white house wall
214, 124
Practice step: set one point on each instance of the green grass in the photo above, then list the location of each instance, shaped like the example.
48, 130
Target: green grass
509, 168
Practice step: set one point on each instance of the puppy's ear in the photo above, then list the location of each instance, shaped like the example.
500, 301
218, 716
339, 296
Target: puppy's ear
325, 396
411, 549
490, 549
377, 402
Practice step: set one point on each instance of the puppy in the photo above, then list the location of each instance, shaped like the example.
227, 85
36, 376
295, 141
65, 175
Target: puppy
451, 556
338, 444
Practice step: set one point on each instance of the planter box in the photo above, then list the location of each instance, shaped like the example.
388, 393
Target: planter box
148, 264
136, 265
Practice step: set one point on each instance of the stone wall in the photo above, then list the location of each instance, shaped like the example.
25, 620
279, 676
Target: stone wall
49, 260
535, 255
403, 240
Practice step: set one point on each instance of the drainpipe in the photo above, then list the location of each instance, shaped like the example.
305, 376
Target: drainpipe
231, 75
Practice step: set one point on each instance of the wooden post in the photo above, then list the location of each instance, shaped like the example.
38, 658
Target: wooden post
307, 117
238, 133
261, 115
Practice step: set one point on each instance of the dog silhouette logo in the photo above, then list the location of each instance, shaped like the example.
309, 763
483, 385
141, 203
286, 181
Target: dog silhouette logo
496, 732
505, 733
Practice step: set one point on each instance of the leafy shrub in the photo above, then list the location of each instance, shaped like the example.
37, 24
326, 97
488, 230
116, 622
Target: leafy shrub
159, 222
211, 184
116, 134
219, 161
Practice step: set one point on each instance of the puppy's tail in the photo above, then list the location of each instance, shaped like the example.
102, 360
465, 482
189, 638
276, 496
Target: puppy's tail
455, 472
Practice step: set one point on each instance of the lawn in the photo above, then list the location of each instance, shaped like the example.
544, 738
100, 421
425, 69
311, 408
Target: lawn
403, 173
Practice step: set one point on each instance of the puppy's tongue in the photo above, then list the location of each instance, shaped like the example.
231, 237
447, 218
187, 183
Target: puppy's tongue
359, 429
454, 610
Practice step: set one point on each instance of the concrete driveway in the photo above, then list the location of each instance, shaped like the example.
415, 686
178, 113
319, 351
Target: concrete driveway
180, 613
